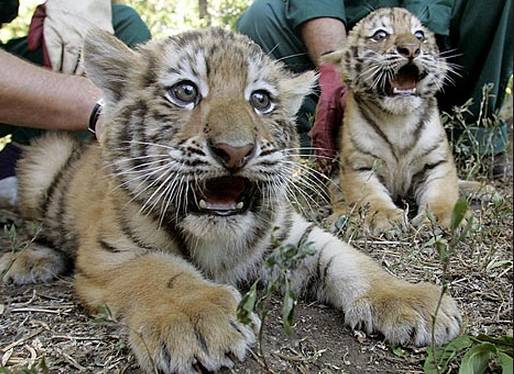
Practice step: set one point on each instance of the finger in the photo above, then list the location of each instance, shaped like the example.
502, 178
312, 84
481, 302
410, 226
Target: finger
70, 59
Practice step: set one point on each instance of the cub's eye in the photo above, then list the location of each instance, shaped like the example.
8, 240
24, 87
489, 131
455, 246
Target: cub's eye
420, 35
183, 94
261, 101
379, 35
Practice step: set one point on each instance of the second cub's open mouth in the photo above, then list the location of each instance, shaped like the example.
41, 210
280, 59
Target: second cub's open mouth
223, 196
404, 82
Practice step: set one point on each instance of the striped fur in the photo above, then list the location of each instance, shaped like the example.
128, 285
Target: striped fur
167, 272
393, 146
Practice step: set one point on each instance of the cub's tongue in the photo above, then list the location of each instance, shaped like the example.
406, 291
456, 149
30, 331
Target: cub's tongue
223, 193
404, 83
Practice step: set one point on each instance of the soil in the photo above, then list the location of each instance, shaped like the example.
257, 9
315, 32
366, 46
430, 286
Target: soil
46, 321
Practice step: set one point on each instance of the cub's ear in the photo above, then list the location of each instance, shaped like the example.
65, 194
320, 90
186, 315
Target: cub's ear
296, 88
107, 61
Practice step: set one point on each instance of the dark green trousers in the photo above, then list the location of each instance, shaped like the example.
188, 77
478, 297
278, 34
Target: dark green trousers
480, 31
128, 27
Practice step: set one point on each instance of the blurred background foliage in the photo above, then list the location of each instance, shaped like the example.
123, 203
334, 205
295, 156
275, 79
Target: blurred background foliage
163, 17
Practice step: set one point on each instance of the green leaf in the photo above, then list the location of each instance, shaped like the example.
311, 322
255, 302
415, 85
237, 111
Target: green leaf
444, 355
476, 360
4, 141
441, 247
103, 315
288, 311
459, 212
505, 361
270, 262
247, 305
399, 351
503, 343
341, 223
42, 366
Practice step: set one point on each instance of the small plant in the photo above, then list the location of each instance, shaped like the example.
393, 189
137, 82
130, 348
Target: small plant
476, 355
475, 143
445, 249
278, 268
17, 245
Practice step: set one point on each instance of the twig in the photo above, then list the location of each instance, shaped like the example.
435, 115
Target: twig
39, 310
22, 340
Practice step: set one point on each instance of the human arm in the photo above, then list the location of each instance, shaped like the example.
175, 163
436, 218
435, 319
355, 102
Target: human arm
322, 35
36, 97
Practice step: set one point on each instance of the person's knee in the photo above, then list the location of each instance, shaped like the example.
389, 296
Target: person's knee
128, 25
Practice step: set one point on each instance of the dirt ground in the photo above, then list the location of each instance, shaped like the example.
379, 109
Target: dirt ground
46, 320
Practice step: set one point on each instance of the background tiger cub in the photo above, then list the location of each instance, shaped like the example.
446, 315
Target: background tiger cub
393, 145
179, 201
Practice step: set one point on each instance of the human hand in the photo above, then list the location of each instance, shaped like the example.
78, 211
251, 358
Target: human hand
329, 116
59, 27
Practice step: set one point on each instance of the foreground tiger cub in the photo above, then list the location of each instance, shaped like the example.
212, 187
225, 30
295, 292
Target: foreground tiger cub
393, 145
178, 203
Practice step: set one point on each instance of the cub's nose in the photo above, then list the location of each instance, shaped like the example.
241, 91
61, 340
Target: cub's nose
232, 158
408, 50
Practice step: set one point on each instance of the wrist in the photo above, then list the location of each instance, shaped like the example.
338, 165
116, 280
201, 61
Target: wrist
95, 119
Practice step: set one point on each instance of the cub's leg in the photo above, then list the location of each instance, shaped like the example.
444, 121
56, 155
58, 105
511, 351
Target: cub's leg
177, 321
369, 297
363, 188
35, 264
438, 193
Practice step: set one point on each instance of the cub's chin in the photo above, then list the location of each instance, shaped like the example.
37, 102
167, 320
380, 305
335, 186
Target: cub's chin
399, 105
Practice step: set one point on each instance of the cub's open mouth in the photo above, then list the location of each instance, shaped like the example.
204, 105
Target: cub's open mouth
405, 81
223, 196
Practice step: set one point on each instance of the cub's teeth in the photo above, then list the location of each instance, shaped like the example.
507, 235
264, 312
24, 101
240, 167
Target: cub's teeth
409, 91
202, 204
240, 205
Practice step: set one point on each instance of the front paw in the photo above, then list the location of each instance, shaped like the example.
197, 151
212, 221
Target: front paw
31, 265
194, 332
386, 220
403, 313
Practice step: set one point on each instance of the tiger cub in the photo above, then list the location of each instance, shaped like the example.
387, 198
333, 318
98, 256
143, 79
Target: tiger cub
393, 145
180, 201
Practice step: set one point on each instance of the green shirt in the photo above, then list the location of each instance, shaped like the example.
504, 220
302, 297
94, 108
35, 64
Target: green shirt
435, 14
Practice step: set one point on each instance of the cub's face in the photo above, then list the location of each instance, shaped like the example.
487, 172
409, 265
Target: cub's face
391, 56
200, 126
